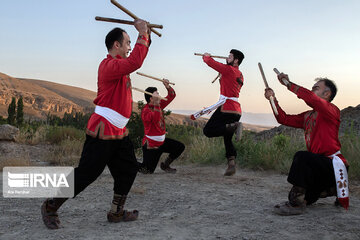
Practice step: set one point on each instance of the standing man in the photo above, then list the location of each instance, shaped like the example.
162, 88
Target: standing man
225, 120
321, 171
154, 142
107, 142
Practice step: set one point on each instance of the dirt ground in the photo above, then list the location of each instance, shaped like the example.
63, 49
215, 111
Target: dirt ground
196, 203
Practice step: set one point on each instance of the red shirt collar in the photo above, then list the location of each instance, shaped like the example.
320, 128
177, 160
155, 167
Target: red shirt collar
117, 56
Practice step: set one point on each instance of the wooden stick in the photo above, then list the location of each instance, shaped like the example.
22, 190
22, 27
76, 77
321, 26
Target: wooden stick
284, 79
272, 102
104, 19
213, 56
218, 76
155, 78
139, 90
131, 14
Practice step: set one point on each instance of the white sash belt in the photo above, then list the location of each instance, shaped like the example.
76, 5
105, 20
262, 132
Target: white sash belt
160, 138
341, 178
221, 101
112, 116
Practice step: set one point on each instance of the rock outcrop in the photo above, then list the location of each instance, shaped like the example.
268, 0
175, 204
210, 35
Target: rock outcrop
8, 132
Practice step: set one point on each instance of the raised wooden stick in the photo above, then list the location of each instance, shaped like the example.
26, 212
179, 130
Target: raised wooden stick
218, 76
139, 90
213, 56
267, 86
284, 79
114, 20
155, 78
131, 15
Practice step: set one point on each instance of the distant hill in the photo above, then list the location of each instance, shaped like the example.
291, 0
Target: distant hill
44, 97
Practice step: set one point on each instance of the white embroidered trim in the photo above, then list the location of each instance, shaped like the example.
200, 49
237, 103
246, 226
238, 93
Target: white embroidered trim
341, 176
221, 101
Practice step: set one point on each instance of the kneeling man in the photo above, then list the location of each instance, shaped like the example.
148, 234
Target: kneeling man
321, 171
154, 142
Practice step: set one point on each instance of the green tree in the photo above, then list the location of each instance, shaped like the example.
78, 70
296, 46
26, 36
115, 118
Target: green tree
136, 127
20, 112
12, 112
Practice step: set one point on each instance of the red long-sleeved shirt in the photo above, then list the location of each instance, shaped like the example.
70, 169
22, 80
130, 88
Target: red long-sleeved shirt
231, 82
153, 120
321, 125
114, 90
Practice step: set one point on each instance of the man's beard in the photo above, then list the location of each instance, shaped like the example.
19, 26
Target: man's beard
230, 63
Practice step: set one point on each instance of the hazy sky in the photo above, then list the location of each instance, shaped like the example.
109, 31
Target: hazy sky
60, 41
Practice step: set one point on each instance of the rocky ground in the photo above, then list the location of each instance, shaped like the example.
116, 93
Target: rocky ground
196, 203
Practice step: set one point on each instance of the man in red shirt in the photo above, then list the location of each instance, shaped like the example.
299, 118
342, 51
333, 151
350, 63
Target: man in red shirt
107, 142
154, 142
225, 120
314, 173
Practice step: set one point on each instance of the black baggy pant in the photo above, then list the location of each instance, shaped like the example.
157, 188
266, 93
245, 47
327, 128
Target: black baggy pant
314, 172
118, 155
216, 126
151, 157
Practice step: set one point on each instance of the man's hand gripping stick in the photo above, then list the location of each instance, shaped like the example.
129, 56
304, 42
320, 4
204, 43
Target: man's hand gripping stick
284, 80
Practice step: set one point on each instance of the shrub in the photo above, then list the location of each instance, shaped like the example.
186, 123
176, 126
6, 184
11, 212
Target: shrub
205, 150
32, 134
275, 154
66, 153
56, 135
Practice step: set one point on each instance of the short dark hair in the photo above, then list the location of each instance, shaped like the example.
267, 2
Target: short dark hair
150, 90
114, 35
237, 55
331, 85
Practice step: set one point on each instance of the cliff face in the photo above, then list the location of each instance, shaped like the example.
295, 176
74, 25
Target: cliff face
39, 99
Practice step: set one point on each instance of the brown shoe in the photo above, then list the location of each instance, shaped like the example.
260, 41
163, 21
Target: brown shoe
117, 212
122, 216
285, 209
49, 217
231, 169
167, 168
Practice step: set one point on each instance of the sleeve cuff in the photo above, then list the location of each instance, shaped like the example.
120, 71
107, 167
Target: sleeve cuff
206, 58
171, 91
144, 40
293, 87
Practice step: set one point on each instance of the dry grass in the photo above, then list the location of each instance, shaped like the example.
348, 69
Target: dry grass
33, 136
206, 150
351, 150
67, 153
23, 161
